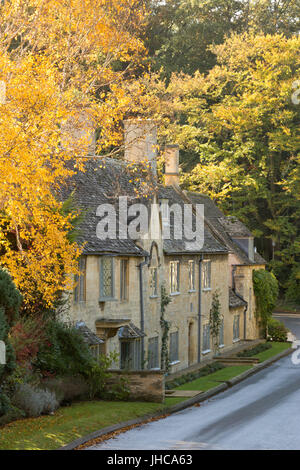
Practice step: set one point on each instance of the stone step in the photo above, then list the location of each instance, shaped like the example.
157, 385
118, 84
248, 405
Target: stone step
238, 360
183, 393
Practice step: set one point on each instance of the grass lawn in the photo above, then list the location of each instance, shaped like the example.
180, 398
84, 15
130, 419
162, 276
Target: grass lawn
275, 349
69, 423
214, 379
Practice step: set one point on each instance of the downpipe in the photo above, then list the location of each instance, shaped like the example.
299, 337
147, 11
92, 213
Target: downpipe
199, 307
142, 312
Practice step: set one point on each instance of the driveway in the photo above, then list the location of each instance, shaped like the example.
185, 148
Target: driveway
261, 412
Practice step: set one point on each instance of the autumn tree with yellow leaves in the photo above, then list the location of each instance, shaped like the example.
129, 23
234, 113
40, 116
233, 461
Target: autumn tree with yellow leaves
61, 63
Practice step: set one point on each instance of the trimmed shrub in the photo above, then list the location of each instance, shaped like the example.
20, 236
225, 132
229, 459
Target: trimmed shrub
183, 379
256, 350
34, 401
276, 330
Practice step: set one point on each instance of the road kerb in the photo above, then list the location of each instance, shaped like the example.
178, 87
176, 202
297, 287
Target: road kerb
258, 367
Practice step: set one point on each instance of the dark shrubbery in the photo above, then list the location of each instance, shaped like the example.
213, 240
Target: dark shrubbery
276, 330
254, 351
10, 297
10, 301
64, 352
209, 369
68, 388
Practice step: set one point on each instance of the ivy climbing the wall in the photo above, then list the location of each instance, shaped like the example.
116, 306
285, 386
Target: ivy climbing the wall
265, 287
165, 327
215, 320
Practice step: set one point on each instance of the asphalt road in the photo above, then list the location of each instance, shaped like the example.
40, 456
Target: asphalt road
262, 412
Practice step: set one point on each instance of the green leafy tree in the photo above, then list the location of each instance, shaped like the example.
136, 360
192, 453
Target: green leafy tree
165, 326
265, 287
180, 32
215, 320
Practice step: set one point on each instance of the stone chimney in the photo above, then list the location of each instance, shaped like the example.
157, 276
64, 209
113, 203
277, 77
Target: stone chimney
141, 141
172, 165
78, 134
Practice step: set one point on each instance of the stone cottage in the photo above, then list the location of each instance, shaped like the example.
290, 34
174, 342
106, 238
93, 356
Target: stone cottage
118, 293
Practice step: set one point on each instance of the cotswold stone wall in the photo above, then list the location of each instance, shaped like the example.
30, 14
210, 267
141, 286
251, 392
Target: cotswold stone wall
144, 385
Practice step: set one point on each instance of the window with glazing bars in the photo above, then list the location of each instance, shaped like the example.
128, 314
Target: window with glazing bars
130, 357
206, 338
174, 276
80, 281
153, 282
236, 327
174, 347
153, 362
123, 279
206, 274
191, 275
106, 277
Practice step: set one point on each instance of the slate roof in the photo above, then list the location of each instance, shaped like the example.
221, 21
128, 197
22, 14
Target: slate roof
130, 331
89, 337
103, 180
235, 300
175, 246
234, 227
225, 228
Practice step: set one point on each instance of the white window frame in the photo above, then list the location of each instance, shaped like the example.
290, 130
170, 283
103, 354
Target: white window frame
206, 275
174, 277
192, 270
